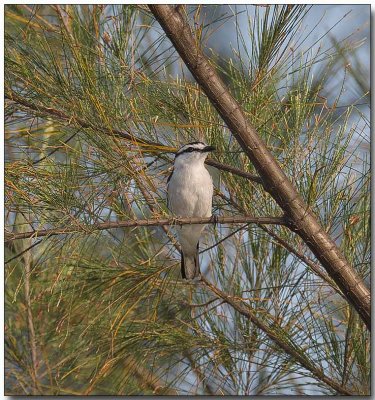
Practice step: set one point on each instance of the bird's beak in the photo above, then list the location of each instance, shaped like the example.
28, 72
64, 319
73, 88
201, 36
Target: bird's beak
209, 148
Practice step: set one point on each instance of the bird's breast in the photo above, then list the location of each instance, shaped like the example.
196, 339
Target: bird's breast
190, 192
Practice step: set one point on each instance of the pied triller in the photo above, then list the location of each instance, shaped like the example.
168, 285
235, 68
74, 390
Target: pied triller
190, 192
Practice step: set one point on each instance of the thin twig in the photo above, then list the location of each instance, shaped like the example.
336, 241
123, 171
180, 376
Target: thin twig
146, 222
200, 375
233, 170
314, 266
30, 323
22, 252
55, 149
224, 238
11, 95
42, 110
279, 240
64, 16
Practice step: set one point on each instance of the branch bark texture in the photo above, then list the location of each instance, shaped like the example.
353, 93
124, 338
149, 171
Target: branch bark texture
274, 180
145, 222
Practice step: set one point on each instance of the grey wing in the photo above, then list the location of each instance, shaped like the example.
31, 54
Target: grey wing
168, 180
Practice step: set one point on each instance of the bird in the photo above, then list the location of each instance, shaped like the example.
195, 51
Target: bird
190, 192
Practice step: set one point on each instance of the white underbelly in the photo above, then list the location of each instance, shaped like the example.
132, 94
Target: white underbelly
191, 196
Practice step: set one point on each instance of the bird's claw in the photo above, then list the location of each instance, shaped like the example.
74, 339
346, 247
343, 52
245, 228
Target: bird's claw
215, 220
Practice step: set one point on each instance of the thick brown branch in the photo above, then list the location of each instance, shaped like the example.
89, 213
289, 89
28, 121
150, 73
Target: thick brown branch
48, 111
277, 338
304, 222
145, 222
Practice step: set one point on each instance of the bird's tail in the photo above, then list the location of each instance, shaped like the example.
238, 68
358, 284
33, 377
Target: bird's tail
190, 265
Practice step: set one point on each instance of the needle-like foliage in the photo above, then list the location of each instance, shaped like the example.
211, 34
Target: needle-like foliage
96, 102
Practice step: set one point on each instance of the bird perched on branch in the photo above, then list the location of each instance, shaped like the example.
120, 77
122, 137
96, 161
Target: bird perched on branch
190, 192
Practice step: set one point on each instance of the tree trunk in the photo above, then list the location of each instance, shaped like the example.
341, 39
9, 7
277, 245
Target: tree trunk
302, 219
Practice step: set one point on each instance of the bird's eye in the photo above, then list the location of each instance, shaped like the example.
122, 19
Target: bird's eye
190, 149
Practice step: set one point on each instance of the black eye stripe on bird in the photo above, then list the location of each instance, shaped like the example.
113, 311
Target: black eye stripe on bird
190, 192
198, 147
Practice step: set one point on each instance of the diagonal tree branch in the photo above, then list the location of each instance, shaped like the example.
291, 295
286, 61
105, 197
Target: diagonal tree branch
43, 111
303, 221
276, 337
145, 222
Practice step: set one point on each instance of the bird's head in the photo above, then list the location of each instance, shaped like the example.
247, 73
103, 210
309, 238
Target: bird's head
193, 152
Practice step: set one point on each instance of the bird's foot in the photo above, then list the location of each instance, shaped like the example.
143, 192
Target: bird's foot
215, 219
195, 281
